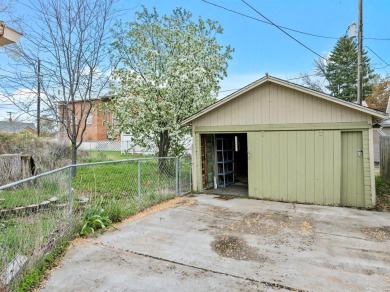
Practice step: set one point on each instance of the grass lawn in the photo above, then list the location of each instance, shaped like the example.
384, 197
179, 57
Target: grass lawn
112, 189
34, 192
382, 194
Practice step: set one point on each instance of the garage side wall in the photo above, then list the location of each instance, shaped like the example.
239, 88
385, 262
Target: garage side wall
291, 114
275, 104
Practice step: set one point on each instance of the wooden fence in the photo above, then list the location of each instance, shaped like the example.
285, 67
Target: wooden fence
385, 157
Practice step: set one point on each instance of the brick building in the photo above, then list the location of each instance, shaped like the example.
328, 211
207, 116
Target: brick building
96, 128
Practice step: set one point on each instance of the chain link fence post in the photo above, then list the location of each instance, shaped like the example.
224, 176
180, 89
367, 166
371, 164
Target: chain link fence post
70, 192
139, 184
177, 175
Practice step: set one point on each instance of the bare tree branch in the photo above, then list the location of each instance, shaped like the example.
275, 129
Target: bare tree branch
70, 38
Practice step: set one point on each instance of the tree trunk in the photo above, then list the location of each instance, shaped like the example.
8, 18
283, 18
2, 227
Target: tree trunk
74, 157
163, 149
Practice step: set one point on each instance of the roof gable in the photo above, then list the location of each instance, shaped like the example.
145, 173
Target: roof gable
15, 127
348, 106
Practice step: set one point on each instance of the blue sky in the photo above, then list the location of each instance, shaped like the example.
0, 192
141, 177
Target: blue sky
261, 48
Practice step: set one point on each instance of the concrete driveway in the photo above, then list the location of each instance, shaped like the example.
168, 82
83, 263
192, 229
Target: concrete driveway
216, 243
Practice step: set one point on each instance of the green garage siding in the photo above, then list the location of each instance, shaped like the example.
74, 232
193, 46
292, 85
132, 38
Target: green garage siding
295, 166
352, 175
302, 144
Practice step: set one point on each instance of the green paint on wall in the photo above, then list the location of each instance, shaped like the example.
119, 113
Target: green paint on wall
352, 186
295, 166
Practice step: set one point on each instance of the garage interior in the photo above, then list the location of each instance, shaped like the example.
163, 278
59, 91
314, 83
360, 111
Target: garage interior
225, 163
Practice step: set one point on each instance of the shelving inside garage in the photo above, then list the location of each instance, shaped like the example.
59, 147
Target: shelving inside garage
224, 153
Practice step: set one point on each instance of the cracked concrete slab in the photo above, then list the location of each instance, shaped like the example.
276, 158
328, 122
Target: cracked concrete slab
238, 244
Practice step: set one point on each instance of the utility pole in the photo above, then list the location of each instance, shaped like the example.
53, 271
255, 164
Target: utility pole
10, 116
39, 100
360, 49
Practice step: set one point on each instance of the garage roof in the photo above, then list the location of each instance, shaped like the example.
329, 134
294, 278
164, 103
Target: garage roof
285, 83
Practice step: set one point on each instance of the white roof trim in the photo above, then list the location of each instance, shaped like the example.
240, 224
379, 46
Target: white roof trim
8, 35
268, 78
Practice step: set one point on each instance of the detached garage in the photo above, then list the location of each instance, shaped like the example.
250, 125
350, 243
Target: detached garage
286, 143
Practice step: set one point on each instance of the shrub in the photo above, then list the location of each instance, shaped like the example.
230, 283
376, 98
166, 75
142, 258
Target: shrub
48, 154
383, 194
95, 221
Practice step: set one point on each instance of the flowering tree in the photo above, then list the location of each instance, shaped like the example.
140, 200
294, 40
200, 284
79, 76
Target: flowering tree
168, 68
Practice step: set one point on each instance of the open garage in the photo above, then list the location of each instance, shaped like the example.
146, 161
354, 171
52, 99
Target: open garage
286, 142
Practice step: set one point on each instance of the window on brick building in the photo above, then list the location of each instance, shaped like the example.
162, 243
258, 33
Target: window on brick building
90, 119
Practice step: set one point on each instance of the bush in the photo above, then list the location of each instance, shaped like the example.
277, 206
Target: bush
47, 153
94, 221
382, 194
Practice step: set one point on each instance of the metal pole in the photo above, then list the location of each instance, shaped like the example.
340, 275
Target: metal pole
39, 100
177, 176
360, 51
70, 192
139, 184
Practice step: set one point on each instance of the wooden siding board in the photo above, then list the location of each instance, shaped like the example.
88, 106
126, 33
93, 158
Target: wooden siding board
256, 107
282, 99
310, 171
301, 166
249, 108
274, 147
337, 167
319, 167
252, 173
292, 152
283, 165
328, 168
259, 168
228, 114
273, 110
266, 141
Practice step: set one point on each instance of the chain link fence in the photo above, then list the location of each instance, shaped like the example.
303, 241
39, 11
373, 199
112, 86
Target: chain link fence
37, 212
125, 147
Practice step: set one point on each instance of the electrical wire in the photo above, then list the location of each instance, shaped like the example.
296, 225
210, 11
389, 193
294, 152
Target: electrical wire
269, 23
286, 28
378, 39
281, 29
387, 64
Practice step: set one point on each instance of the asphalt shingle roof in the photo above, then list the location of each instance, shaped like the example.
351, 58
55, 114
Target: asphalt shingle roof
15, 127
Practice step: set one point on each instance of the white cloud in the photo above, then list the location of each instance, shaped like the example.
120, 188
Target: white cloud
22, 105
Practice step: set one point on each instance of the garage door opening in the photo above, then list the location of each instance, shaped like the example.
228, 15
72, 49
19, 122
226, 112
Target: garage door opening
225, 163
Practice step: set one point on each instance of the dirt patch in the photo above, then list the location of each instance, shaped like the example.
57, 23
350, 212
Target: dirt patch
257, 223
235, 248
217, 209
226, 197
174, 203
378, 233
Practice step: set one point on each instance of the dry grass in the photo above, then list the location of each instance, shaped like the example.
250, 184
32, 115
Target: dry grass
379, 234
174, 203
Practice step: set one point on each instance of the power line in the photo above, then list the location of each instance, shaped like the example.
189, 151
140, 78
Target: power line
387, 64
284, 27
378, 39
281, 29
269, 23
